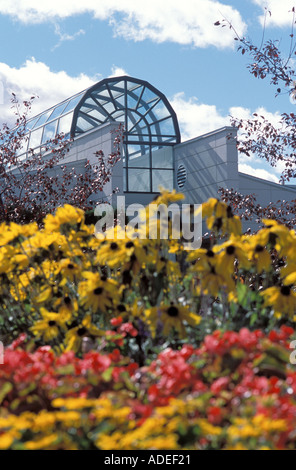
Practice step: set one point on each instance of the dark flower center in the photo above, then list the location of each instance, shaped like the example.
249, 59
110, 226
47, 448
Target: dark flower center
218, 223
126, 277
67, 300
259, 249
52, 323
104, 278
114, 246
129, 245
286, 290
210, 254
172, 312
70, 266
81, 331
229, 212
98, 291
121, 308
272, 238
230, 250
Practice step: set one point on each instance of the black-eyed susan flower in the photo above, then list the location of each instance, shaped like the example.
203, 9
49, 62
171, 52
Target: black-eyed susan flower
228, 253
211, 279
64, 216
278, 236
49, 327
258, 254
68, 269
97, 292
171, 316
282, 299
112, 253
74, 336
221, 218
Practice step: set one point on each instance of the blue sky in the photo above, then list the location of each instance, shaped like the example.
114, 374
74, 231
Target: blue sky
56, 48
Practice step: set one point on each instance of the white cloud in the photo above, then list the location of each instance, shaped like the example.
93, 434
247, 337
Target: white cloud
65, 36
196, 118
258, 172
117, 71
280, 11
36, 78
188, 22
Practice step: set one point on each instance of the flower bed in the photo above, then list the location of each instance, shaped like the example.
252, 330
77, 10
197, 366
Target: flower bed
115, 344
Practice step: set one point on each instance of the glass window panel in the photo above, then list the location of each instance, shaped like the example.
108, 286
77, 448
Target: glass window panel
49, 131
139, 180
132, 100
72, 103
42, 119
134, 138
160, 110
132, 119
120, 101
117, 89
161, 139
165, 127
150, 117
162, 158
88, 105
148, 97
124, 153
109, 106
119, 116
124, 180
23, 146
97, 115
104, 92
133, 96
84, 125
164, 178
138, 155
35, 138
65, 124
57, 111
31, 123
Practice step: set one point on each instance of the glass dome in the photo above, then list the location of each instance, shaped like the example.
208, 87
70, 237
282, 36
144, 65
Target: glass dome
150, 127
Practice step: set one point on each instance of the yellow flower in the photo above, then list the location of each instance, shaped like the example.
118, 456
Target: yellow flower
66, 215
75, 335
220, 217
229, 252
97, 292
282, 299
49, 326
6, 440
258, 254
212, 278
69, 269
44, 443
171, 316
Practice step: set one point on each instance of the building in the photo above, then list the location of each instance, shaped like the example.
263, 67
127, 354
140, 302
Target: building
152, 152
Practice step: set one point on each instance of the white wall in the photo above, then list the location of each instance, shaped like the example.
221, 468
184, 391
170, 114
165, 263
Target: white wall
211, 161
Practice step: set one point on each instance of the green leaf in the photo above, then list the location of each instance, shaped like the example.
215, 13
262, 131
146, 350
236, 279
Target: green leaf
5, 389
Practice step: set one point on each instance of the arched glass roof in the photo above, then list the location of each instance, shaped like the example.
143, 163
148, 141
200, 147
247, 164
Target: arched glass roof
146, 114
